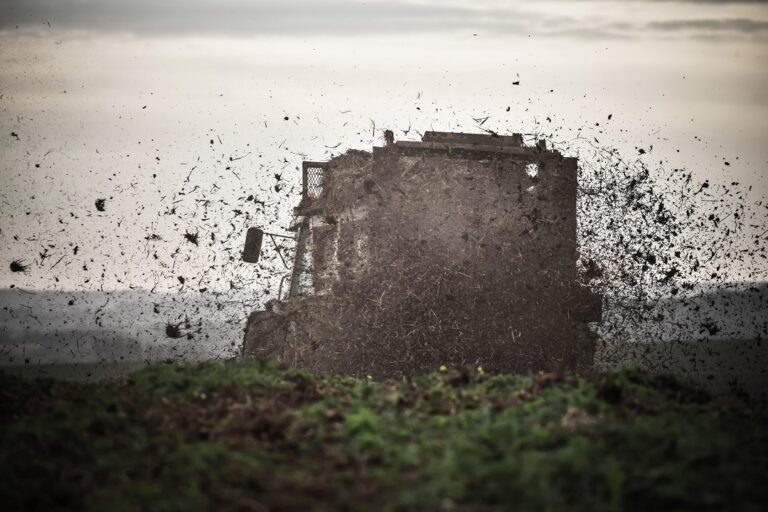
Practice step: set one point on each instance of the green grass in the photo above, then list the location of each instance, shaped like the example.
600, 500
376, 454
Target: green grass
257, 437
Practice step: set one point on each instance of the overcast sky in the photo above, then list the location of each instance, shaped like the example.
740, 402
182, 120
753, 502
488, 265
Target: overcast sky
175, 111
702, 18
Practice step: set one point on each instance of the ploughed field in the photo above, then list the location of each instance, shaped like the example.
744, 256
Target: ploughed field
258, 437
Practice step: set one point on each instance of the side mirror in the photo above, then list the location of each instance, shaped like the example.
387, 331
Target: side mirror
252, 249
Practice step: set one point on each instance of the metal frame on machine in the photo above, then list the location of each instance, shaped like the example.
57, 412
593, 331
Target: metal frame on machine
300, 283
312, 178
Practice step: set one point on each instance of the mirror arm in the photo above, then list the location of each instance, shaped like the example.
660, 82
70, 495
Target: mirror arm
281, 236
277, 248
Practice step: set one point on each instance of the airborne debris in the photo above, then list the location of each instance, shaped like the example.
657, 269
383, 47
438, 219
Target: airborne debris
191, 237
172, 330
18, 266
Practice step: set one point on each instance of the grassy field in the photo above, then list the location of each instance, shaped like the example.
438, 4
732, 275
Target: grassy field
257, 437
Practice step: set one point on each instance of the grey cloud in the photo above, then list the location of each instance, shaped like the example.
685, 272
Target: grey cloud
688, 1
716, 1
254, 17
711, 25
339, 17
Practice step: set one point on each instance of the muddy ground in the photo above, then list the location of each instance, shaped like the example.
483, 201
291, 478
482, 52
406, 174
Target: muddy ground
258, 437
